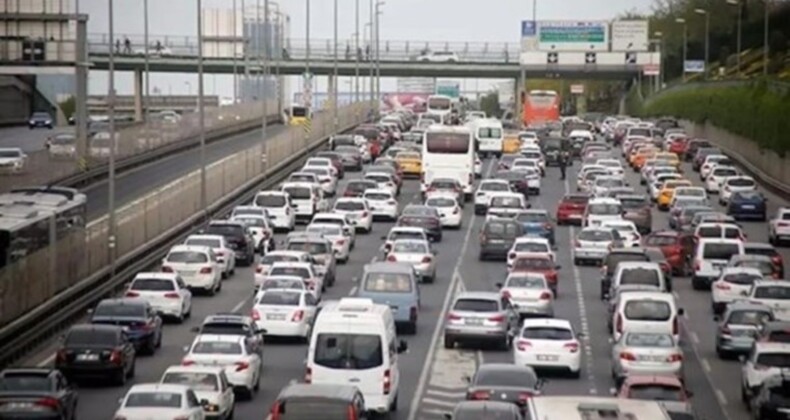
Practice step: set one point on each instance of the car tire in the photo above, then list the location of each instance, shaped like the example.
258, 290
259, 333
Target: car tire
150, 347
481, 257
576, 374
394, 405
211, 291
577, 262
449, 343
505, 344
120, 377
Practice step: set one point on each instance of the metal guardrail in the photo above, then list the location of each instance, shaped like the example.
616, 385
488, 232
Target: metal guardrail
18, 338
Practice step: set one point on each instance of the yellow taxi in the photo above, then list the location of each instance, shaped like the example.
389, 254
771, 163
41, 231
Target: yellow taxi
636, 150
670, 158
410, 162
511, 144
668, 192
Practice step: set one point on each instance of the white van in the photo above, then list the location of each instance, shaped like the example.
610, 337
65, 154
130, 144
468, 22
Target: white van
650, 312
489, 136
354, 343
307, 199
279, 208
710, 258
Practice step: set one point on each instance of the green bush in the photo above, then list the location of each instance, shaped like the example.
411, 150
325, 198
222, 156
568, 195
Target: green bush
754, 112
68, 106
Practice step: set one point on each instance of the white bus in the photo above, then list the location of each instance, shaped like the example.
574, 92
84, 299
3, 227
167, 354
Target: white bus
440, 104
489, 136
448, 152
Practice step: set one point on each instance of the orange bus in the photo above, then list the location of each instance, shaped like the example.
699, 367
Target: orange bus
541, 106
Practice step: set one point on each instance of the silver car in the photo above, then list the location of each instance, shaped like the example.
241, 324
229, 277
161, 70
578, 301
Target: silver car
594, 243
739, 326
481, 317
529, 293
320, 248
418, 253
642, 353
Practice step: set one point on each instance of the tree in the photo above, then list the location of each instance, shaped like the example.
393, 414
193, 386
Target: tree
490, 105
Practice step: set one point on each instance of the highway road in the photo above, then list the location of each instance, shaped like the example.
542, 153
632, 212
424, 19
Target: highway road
432, 376
29, 140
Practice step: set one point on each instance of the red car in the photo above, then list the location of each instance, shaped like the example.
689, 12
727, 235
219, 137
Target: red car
676, 246
668, 389
541, 264
678, 145
571, 209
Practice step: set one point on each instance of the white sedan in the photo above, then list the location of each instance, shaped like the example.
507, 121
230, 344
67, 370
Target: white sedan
529, 245
439, 57
165, 292
382, 203
341, 244
285, 312
358, 210
242, 366
627, 230
210, 386
450, 212
155, 401
548, 343
225, 255
714, 180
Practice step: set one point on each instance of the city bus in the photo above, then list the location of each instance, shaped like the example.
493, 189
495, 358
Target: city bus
297, 114
440, 105
448, 152
541, 106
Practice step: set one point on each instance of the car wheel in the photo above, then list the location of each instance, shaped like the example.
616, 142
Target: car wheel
576, 374
211, 291
577, 262
449, 343
394, 405
150, 346
120, 377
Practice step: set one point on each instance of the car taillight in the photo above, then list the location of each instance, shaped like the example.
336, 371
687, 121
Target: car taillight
426, 259
256, 316
675, 326
480, 395
242, 365
259, 269
187, 362
627, 356
523, 397
512, 255
340, 242
523, 345
132, 294
783, 224
722, 285
577, 244
497, 318
206, 270
677, 357
308, 375
167, 269
413, 313
545, 296
391, 258
387, 382
572, 347
776, 260
297, 316
619, 324
453, 317
116, 357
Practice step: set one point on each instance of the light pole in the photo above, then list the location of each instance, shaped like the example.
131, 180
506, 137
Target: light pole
113, 145
146, 103
737, 3
368, 55
660, 77
378, 56
201, 111
683, 22
534, 10
266, 58
336, 81
235, 68
356, 50
766, 47
707, 37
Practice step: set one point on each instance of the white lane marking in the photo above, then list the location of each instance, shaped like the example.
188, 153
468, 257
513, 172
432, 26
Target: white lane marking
705, 365
589, 357
47, 362
440, 403
694, 337
353, 291
722, 399
443, 394
454, 283
239, 305
435, 412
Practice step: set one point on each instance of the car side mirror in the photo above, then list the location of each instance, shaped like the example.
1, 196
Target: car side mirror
557, 267
681, 311
716, 318
355, 279
402, 347
467, 379
499, 285
204, 402
448, 416
186, 349
744, 293
195, 329
383, 237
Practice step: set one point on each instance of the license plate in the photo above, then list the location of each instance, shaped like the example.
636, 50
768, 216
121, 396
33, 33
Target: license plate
275, 317
718, 266
547, 358
474, 321
748, 207
187, 273
87, 357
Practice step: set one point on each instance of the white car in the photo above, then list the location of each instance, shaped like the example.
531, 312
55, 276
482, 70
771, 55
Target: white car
532, 176
529, 293
766, 359
593, 244
306, 199
341, 244
529, 245
733, 283
241, 364
196, 265
779, 226
450, 213
224, 253
358, 211
629, 234
613, 166
340, 219
548, 343
603, 183
484, 191
384, 181
285, 312
383, 203
321, 162
326, 179
709, 163
735, 184
690, 192
601, 209
718, 174
773, 294
439, 57
402, 232
505, 204
306, 271
12, 160
526, 163
535, 155
279, 207
157, 401
266, 262
210, 385
165, 292
261, 229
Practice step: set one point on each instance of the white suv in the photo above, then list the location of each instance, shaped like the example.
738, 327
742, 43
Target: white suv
779, 226
485, 190
710, 259
766, 359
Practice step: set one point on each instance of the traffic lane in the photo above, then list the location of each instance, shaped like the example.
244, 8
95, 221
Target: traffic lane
140, 181
27, 139
716, 380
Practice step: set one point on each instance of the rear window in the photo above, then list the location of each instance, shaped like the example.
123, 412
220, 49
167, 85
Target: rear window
526, 282
510, 230
720, 251
270, 201
656, 392
649, 340
440, 202
271, 259
298, 193
532, 247
779, 336
410, 247
388, 283
547, 333
290, 271
210, 243
495, 186
641, 276
350, 205
522, 264
648, 310
216, 347
297, 408
187, 257
157, 399
532, 218
772, 292
153, 285
604, 209
447, 143
741, 182
225, 328
506, 202
120, 310
743, 279
749, 317
230, 229
476, 305
280, 299
348, 351
634, 203
780, 360
376, 196
91, 337
575, 199
360, 186
313, 248
596, 235
195, 380
25, 382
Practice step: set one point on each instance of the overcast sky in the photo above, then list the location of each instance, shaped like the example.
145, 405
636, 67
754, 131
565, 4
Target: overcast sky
402, 20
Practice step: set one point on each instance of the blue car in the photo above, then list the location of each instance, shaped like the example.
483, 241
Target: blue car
537, 222
142, 324
747, 205
394, 285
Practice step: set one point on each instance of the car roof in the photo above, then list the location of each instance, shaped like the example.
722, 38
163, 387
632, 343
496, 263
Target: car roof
546, 322
228, 318
155, 275
190, 248
389, 267
766, 346
216, 370
744, 305
220, 337
175, 388
478, 295
649, 265
319, 391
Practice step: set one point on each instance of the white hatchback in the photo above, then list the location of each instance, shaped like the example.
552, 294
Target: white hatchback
358, 210
241, 363
210, 385
731, 286
548, 343
341, 244
157, 401
279, 207
165, 292
285, 312
382, 203
450, 212
224, 253
196, 265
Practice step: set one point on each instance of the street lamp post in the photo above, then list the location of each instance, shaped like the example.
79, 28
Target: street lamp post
356, 50
683, 22
201, 112
368, 55
660, 77
336, 81
266, 58
146, 103
378, 56
766, 47
707, 37
113, 145
737, 3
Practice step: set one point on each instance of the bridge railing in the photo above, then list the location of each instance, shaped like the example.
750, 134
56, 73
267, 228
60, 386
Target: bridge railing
322, 49
79, 253
43, 168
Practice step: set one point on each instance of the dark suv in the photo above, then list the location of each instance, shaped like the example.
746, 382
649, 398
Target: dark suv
238, 238
92, 350
143, 324
424, 217
497, 237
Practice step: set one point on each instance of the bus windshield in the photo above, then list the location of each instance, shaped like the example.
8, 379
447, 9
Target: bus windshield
298, 112
449, 143
439, 103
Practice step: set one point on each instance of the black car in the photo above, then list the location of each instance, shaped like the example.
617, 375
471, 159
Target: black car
497, 236
517, 180
504, 382
424, 217
238, 238
36, 393
693, 146
95, 350
143, 324
233, 324
40, 119
357, 188
476, 410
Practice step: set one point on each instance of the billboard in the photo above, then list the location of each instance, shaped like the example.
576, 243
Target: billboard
448, 88
573, 36
694, 66
630, 35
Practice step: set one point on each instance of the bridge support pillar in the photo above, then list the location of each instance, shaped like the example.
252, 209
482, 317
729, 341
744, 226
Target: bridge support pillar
138, 95
330, 93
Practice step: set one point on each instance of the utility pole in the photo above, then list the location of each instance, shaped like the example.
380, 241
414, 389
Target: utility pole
266, 57
235, 48
146, 100
356, 52
201, 113
111, 230
336, 81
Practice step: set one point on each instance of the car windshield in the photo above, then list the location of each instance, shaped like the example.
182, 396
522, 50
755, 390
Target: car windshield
743, 279
526, 282
388, 283
532, 247
225, 327
505, 378
187, 257
749, 317
270, 259
656, 392
640, 276
595, 235
772, 292
153, 285
301, 272
649, 340
476, 305
770, 359
196, 380
660, 240
348, 351
532, 217
506, 202
410, 247
720, 251
10, 153
648, 310
525, 264
313, 248
158, 399
418, 211
741, 182
64, 140
605, 209
494, 186
26, 382
270, 200
217, 347
282, 284
120, 310
325, 230
280, 298
299, 193
547, 333
377, 196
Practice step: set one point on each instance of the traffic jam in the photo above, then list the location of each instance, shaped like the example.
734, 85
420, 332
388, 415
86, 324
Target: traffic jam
602, 252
